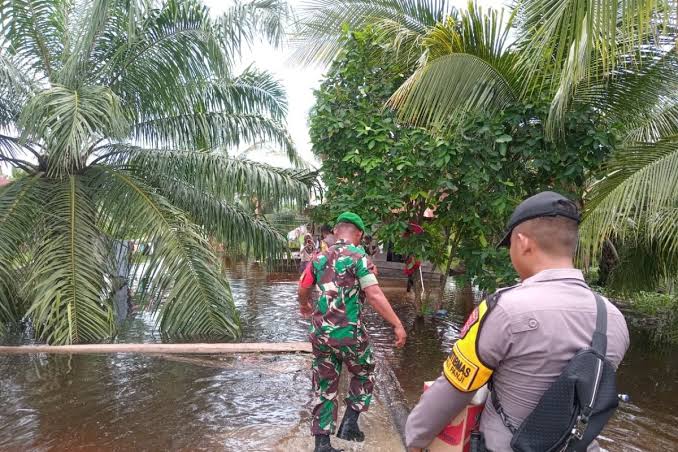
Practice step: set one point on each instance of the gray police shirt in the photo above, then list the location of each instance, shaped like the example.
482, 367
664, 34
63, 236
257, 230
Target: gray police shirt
527, 338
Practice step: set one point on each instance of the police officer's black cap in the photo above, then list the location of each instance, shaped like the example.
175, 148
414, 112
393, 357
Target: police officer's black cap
544, 204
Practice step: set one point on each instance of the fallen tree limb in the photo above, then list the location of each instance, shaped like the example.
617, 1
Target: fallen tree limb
256, 347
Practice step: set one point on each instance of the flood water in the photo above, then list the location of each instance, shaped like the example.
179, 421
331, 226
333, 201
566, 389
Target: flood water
258, 403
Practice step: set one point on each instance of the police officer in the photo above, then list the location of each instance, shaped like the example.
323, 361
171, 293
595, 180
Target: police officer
526, 339
345, 278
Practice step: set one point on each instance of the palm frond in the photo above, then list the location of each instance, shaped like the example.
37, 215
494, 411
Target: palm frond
84, 23
209, 130
67, 290
15, 89
214, 173
566, 37
650, 126
219, 113
9, 147
182, 271
321, 24
173, 77
642, 99
244, 22
225, 221
19, 211
252, 91
456, 82
638, 193
468, 68
642, 265
10, 306
67, 120
146, 60
31, 32
181, 42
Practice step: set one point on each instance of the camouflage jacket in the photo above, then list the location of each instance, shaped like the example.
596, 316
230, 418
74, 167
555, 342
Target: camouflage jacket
341, 273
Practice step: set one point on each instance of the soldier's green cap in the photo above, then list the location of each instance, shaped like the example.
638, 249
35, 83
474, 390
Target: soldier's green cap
354, 219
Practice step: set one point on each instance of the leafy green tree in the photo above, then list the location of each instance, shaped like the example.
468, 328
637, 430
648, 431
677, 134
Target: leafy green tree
471, 176
118, 112
618, 58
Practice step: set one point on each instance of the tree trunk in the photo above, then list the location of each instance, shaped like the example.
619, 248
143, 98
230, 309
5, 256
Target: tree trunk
608, 260
453, 250
467, 299
121, 298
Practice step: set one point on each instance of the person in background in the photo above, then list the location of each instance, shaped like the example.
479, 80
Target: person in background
371, 246
338, 336
306, 252
326, 238
412, 264
523, 336
411, 267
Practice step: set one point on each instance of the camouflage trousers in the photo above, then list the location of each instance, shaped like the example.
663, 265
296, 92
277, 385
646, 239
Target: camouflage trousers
327, 364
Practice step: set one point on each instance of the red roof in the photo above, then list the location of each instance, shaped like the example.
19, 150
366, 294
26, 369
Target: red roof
4, 180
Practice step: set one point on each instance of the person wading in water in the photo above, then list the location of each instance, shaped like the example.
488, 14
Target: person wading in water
345, 278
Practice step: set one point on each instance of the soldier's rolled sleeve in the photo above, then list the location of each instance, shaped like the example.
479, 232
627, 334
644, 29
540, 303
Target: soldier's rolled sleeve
436, 408
365, 276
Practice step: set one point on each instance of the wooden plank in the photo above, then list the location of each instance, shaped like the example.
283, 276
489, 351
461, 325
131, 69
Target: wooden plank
255, 347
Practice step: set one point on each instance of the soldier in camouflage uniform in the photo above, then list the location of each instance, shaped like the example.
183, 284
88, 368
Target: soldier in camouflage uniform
346, 279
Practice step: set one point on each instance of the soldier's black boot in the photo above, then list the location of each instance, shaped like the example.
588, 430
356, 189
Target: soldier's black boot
322, 444
349, 430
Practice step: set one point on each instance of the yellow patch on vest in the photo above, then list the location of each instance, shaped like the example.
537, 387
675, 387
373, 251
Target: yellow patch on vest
463, 369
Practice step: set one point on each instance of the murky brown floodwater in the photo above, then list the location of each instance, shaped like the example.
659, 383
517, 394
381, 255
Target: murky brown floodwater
131, 402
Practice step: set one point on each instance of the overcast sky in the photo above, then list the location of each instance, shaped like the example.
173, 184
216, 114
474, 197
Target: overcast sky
301, 81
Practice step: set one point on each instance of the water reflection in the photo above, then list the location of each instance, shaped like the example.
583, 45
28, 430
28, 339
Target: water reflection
133, 402
129, 402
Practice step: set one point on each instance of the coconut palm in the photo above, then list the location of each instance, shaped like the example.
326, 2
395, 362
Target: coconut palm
634, 201
461, 55
118, 113
618, 57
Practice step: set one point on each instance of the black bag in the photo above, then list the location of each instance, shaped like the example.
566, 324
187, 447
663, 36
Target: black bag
576, 407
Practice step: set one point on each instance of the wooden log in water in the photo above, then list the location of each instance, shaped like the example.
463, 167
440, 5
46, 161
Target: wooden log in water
255, 347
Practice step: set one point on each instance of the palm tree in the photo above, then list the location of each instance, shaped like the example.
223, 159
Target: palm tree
118, 112
618, 57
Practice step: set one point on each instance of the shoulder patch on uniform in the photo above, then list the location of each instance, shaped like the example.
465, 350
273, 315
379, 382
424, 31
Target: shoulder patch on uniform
473, 318
464, 369
460, 370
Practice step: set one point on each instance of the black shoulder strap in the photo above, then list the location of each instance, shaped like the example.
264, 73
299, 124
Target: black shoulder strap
492, 301
599, 341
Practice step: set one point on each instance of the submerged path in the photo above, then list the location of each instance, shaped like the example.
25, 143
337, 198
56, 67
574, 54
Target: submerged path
252, 347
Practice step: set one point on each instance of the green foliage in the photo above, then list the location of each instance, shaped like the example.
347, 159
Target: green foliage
617, 58
664, 309
119, 115
471, 175
655, 313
